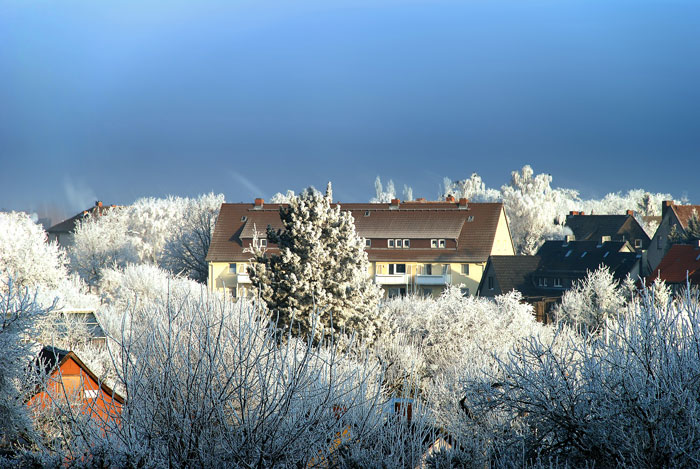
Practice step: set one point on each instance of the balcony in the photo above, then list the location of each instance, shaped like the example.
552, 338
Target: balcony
242, 278
391, 279
432, 279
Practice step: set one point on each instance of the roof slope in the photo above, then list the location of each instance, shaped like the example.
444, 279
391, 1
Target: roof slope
680, 262
513, 273
473, 228
594, 227
684, 212
68, 225
582, 256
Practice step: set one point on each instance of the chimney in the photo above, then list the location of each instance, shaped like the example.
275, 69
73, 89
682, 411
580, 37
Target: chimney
463, 203
98, 203
394, 204
665, 205
259, 204
630, 213
450, 198
574, 212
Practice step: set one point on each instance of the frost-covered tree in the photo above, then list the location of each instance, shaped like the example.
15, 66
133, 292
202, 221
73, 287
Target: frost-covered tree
173, 232
535, 210
321, 266
19, 310
186, 250
381, 195
25, 253
589, 304
473, 189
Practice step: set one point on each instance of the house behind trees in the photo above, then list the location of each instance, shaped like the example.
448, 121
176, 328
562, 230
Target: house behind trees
413, 247
543, 278
675, 220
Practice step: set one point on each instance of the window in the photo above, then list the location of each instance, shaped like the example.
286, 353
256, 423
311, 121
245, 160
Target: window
91, 393
490, 281
541, 281
396, 292
244, 218
433, 243
397, 269
557, 281
368, 243
637, 243
428, 269
232, 268
233, 293
441, 243
399, 243
470, 218
366, 213
445, 269
465, 269
263, 243
406, 243
464, 291
391, 243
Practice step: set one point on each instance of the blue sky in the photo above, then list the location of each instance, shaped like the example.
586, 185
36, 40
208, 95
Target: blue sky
117, 100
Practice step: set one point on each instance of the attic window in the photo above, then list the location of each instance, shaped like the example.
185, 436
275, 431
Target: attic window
390, 243
568, 253
244, 218
557, 281
367, 213
470, 218
368, 243
441, 243
606, 254
433, 243
637, 243
263, 243
584, 254
406, 243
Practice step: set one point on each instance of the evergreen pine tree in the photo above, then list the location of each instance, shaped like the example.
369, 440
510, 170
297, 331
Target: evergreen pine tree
321, 269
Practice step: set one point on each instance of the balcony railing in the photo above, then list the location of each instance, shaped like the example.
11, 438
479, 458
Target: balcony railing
432, 279
391, 279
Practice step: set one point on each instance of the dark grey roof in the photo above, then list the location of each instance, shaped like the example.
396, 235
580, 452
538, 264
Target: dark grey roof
49, 357
578, 257
617, 227
513, 273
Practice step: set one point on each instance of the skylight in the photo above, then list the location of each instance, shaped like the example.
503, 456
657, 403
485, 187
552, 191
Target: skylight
584, 254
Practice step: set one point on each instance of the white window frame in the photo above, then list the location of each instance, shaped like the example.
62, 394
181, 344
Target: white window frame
434, 243
263, 242
406, 243
441, 243
390, 243
557, 282
235, 268
637, 243
368, 243
398, 243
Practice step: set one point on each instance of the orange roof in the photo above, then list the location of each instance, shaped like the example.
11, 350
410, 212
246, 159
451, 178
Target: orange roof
471, 228
680, 262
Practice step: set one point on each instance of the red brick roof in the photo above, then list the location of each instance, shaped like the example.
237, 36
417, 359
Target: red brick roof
471, 230
680, 261
684, 212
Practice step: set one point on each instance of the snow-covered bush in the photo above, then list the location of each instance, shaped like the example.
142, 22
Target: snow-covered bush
440, 340
628, 399
591, 301
210, 384
322, 266
25, 255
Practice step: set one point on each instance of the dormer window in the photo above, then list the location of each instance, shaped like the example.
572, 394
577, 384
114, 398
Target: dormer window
470, 218
406, 243
368, 243
244, 218
390, 243
367, 212
441, 243
399, 243
433, 243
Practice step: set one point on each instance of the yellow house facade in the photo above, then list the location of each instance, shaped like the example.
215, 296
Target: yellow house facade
413, 247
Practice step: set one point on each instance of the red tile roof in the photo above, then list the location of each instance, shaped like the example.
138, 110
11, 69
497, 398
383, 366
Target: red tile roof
680, 261
684, 212
68, 225
473, 229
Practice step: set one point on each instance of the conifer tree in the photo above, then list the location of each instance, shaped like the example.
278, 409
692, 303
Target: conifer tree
321, 269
